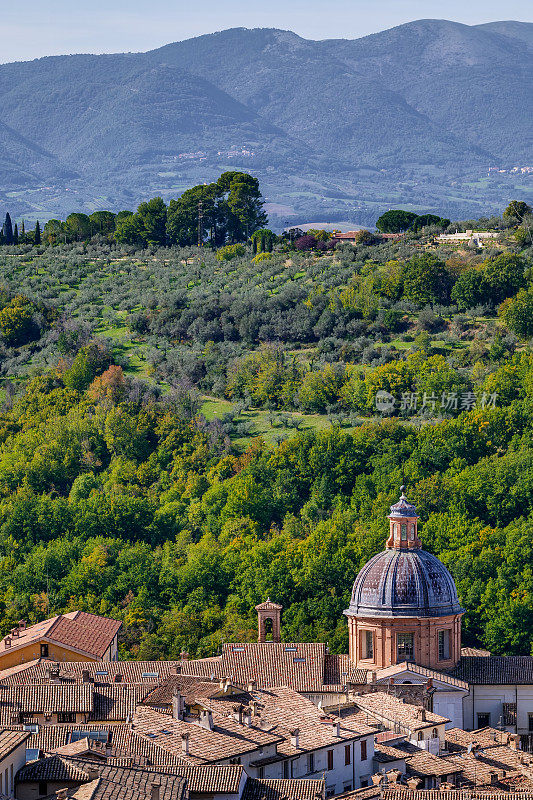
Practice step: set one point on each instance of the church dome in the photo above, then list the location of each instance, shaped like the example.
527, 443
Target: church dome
404, 583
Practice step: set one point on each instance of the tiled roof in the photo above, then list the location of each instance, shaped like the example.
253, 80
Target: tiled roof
187, 686
301, 789
212, 778
477, 767
10, 740
403, 793
268, 605
122, 738
386, 707
425, 672
458, 739
339, 670
300, 665
148, 673
78, 630
130, 783
286, 709
117, 701
495, 669
53, 768
44, 698
427, 764
227, 739
474, 651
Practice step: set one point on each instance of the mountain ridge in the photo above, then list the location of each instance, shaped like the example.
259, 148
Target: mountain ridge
425, 102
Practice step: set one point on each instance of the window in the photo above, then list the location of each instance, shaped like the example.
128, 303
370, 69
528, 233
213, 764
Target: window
347, 787
444, 645
530, 722
286, 770
364, 754
236, 760
404, 532
299, 660
367, 644
151, 674
43, 788
44, 650
483, 720
435, 733
98, 735
66, 716
261, 773
330, 759
311, 762
347, 756
405, 646
412, 535
420, 736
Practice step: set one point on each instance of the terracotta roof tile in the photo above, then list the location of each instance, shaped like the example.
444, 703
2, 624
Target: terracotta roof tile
301, 789
81, 631
43, 699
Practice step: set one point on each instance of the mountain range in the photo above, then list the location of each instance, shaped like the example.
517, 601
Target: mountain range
412, 116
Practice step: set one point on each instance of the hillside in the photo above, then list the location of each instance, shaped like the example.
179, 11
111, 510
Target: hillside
412, 115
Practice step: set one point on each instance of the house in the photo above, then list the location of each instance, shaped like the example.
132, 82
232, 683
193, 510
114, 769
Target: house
12, 757
66, 777
76, 636
472, 238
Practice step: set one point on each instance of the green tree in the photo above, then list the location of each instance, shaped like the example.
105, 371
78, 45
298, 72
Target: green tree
78, 227
517, 210
37, 234
517, 313
396, 221
426, 280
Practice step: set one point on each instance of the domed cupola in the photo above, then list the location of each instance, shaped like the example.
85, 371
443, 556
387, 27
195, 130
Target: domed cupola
407, 596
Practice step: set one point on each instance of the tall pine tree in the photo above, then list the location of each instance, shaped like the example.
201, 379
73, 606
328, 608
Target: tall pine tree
37, 234
8, 230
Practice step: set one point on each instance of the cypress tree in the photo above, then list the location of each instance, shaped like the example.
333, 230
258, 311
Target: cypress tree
37, 235
16, 234
8, 230
23, 230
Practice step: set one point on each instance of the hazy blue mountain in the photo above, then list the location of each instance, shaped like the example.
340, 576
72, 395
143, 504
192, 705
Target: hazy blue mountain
404, 113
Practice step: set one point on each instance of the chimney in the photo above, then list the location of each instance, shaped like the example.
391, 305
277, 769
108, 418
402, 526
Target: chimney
376, 779
373, 676
238, 711
413, 783
47, 674
62, 794
15, 633
85, 676
22, 624
421, 714
7, 642
176, 705
184, 655
514, 741
177, 669
118, 678
206, 720
295, 738
394, 775
251, 686
92, 772
227, 684
108, 750
155, 791
247, 717
185, 743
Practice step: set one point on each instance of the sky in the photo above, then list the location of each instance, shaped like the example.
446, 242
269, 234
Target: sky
36, 28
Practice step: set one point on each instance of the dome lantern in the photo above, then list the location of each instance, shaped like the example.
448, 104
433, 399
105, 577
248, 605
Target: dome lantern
403, 525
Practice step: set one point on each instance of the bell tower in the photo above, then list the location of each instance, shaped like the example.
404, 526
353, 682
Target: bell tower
268, 612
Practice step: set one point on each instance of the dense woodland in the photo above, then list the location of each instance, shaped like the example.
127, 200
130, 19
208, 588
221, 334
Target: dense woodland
133, 481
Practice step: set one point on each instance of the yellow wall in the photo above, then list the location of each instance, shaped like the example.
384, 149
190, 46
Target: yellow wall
21, 655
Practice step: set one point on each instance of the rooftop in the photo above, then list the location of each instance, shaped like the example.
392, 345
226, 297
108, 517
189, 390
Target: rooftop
78, 630
386, 707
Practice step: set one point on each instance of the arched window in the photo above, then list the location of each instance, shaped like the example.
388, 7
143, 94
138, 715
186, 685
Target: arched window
435, 733
420, 736
404, 532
